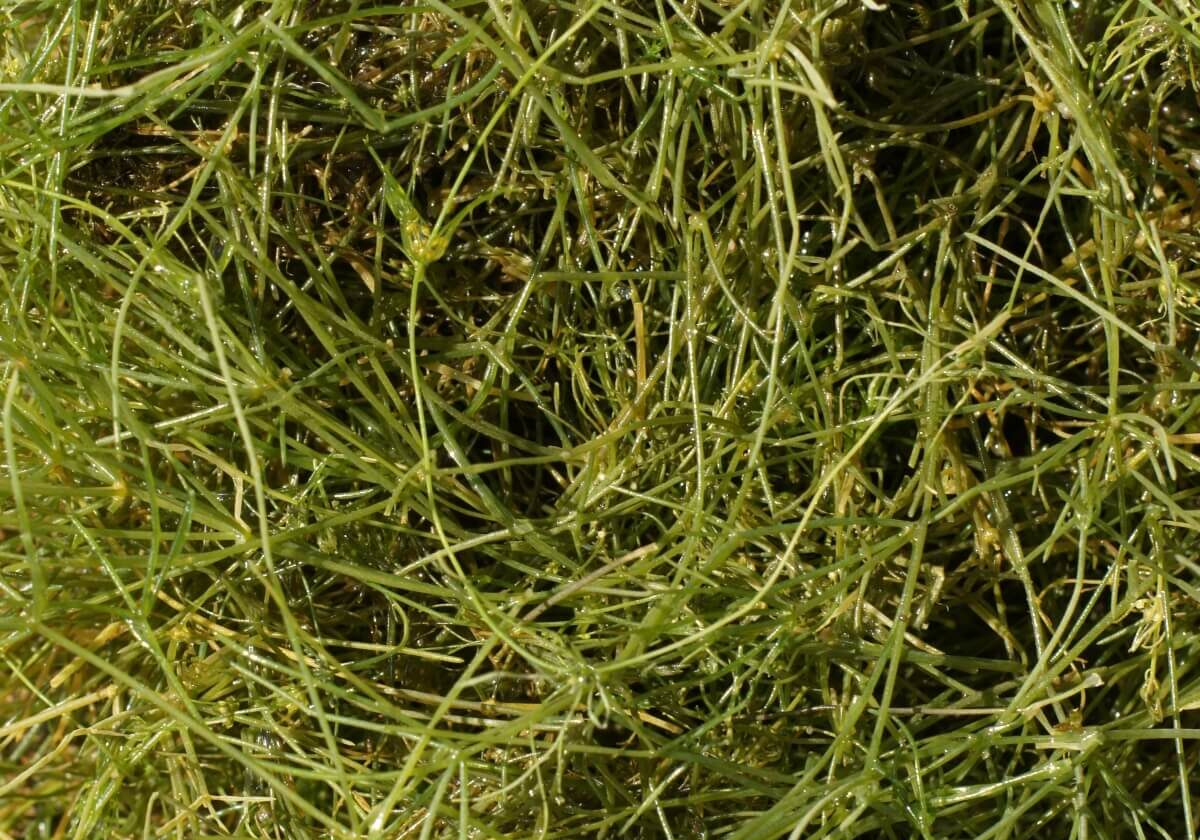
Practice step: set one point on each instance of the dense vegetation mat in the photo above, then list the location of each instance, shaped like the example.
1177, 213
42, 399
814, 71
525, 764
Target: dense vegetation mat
586, 418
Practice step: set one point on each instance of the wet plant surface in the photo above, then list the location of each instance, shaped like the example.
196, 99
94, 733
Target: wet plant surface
575, 420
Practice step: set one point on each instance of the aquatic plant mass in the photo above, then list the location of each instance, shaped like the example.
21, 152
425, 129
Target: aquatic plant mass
666, 419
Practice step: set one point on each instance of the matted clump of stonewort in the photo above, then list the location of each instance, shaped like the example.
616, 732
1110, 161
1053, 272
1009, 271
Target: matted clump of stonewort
668, 419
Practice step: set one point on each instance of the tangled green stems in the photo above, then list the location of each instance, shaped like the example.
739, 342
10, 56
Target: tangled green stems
737, 419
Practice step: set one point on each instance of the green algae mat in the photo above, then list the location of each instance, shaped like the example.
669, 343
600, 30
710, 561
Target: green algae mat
547, 419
